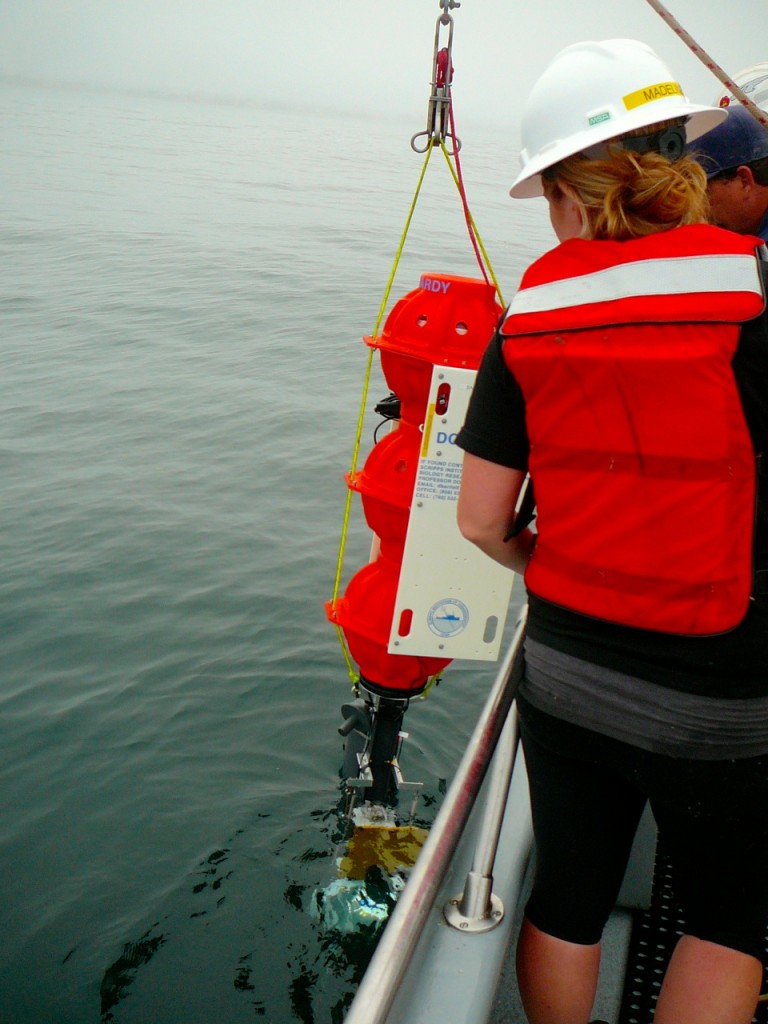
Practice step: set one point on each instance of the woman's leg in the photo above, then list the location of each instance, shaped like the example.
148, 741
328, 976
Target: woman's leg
713, 820
584, 820
707, 983
557, 979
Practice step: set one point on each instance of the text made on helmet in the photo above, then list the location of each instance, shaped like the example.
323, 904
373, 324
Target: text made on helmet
432, 284
660, 91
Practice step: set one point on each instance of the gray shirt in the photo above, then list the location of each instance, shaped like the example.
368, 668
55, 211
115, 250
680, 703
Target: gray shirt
642, 713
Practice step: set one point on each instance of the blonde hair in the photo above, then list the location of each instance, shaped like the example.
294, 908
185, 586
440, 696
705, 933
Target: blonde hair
628, 195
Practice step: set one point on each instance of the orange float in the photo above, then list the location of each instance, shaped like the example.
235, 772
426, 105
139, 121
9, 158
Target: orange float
446, 321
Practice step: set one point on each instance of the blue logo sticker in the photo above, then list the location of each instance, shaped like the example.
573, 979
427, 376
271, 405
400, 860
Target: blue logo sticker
448, 617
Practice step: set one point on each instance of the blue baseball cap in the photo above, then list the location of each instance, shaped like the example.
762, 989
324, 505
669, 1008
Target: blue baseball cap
740, 139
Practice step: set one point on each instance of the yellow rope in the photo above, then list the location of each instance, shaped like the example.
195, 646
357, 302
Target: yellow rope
428, 688
361, 418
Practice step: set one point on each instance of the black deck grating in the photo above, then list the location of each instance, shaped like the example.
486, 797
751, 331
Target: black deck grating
654, 934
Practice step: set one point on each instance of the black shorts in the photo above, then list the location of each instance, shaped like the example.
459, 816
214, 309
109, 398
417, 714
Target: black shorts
587, 794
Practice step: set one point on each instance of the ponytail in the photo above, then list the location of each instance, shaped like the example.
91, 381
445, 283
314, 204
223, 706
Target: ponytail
629, 195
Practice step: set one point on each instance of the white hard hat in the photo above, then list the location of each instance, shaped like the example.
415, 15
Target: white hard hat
595, 91
752, 81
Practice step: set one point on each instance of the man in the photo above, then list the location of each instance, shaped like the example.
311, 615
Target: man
735, 157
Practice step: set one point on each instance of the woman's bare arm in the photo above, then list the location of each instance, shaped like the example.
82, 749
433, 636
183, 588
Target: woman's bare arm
486, 510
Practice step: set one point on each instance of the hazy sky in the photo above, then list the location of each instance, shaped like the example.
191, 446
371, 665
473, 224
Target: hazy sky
372, 55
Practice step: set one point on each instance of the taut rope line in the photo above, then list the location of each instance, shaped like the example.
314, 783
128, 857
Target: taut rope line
708, 62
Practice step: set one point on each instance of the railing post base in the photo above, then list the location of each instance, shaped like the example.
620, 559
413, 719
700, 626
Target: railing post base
477, 909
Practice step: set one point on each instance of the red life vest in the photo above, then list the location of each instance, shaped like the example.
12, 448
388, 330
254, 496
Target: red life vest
640, 456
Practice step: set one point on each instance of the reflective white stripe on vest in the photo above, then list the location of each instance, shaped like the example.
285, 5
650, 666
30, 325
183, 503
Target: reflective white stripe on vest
685, 276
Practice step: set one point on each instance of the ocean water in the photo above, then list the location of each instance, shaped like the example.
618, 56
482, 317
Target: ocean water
185, 287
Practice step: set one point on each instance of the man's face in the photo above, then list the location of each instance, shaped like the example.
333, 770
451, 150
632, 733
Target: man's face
738, 202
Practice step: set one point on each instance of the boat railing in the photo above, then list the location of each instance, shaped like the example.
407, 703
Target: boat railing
379, 986
477, 908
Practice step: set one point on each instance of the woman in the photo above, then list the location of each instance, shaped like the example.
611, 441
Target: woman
630, 379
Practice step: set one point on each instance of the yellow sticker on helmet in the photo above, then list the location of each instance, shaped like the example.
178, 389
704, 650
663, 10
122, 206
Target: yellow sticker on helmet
651, 93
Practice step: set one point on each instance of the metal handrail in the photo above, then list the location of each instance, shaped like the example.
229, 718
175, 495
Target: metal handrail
490, 830
477, 908
378, 988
